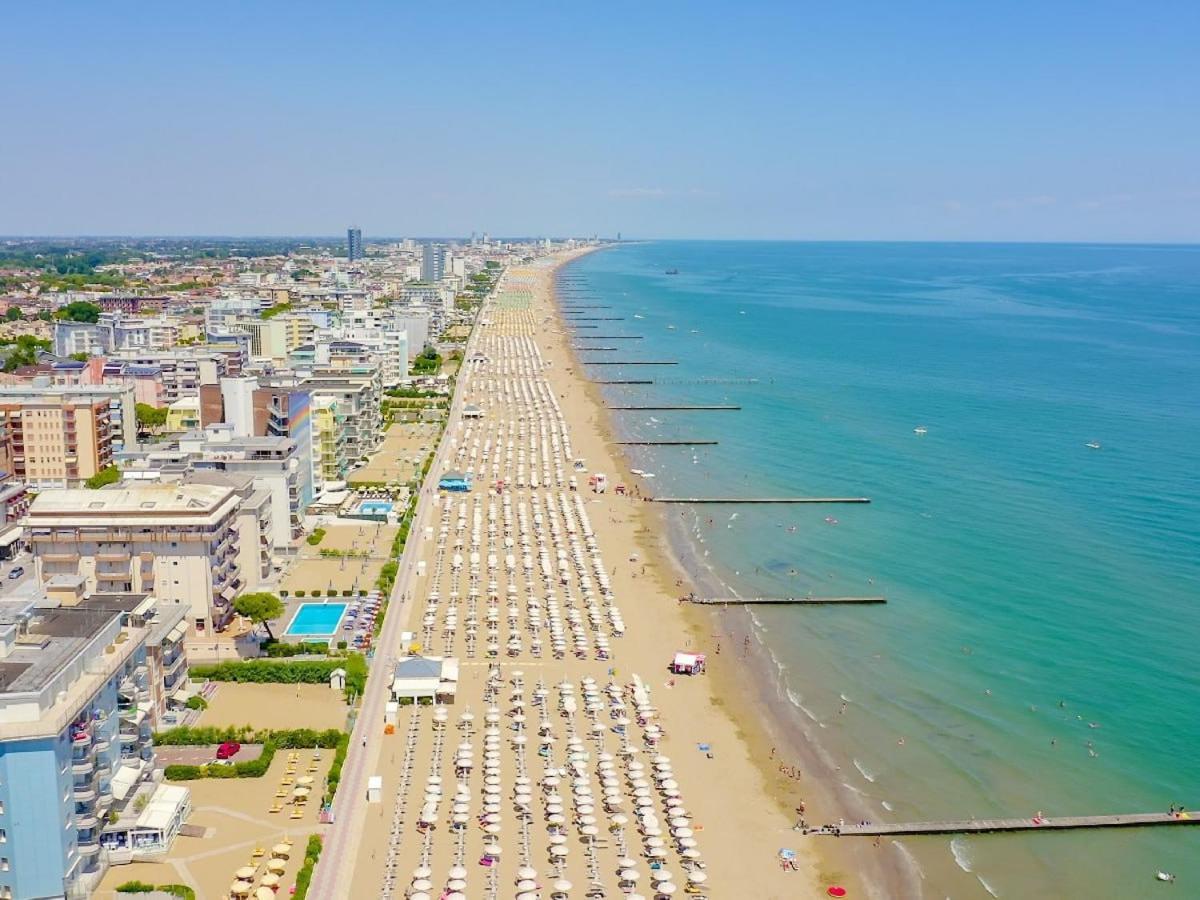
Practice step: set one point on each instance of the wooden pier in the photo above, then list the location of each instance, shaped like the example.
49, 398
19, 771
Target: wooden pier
679, 408
631, 362
782, 601
611, 337
762, 500
626, 381
990, 826
574, 308
665, 443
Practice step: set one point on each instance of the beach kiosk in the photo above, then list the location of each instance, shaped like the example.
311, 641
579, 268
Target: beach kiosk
455, 482
375, 789
688, 664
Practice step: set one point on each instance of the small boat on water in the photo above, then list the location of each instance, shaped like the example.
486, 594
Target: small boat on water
920, 429
672, 271
1165, 876
638, 316
670, 327
1094, 445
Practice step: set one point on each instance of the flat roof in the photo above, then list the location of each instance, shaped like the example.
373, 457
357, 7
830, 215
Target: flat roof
139, 500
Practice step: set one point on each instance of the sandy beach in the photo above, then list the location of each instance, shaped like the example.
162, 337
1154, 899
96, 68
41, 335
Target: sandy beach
738, 818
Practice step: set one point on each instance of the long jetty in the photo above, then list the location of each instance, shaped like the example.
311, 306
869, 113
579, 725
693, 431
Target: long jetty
681, 408
779, 601
611, 337
986, 826
760, 499
587, 306
596, 319
593, 349
632, 362
626, 381
665, 443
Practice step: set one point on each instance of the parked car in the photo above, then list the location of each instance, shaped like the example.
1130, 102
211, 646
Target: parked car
228, 750
17, 572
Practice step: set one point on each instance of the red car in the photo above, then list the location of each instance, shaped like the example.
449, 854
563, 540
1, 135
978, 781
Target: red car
228, 750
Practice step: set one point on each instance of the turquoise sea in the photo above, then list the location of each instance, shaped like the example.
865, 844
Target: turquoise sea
1040, 649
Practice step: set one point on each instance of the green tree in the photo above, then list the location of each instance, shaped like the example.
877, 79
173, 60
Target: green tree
80, 357
150, 416
107, 475
14, 314
259, 608
80, 311
45, 315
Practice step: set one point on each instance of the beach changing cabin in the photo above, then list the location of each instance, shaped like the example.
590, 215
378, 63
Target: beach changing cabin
471, 411
688, 664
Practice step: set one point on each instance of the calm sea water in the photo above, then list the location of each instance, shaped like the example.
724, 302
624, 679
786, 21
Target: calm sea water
1041, 645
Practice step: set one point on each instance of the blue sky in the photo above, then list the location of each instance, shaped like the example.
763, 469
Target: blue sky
861, 120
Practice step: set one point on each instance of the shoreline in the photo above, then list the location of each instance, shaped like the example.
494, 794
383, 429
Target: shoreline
751, 785
773, 721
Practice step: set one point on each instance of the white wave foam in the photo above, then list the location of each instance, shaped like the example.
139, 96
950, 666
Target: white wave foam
856, 790
864, 771
887, 805
910, 859
987, 887
961, 853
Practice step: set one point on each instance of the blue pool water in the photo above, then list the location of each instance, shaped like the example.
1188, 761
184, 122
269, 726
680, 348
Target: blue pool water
316, 620
375, 507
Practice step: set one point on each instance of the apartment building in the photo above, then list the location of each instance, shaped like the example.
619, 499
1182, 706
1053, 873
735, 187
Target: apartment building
277, 464
61, 435
175, 541
78, 692
329, 441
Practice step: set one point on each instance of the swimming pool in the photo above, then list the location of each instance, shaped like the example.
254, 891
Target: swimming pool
375, 509
316, 620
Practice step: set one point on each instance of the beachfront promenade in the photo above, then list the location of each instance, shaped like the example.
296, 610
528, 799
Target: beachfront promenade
333, 873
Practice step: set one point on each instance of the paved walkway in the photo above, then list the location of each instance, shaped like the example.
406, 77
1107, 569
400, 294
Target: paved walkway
333, 874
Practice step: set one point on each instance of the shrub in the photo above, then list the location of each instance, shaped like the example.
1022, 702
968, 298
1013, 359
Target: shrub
268, 671
316, 537
312, 853
196, 702
300, 593
303, 648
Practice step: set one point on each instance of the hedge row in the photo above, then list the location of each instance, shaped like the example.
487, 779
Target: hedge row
304, 648
276, 671
141, 887
312, 853
272, 741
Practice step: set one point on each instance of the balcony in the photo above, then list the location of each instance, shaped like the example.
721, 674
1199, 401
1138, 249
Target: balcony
85, 821
84, 793
111, 555
113, 575
84, 766
90, 847
60, 556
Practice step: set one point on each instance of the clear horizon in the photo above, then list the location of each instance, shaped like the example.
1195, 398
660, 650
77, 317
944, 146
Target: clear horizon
1029, 123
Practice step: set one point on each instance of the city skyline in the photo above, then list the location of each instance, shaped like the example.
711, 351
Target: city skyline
936, 123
